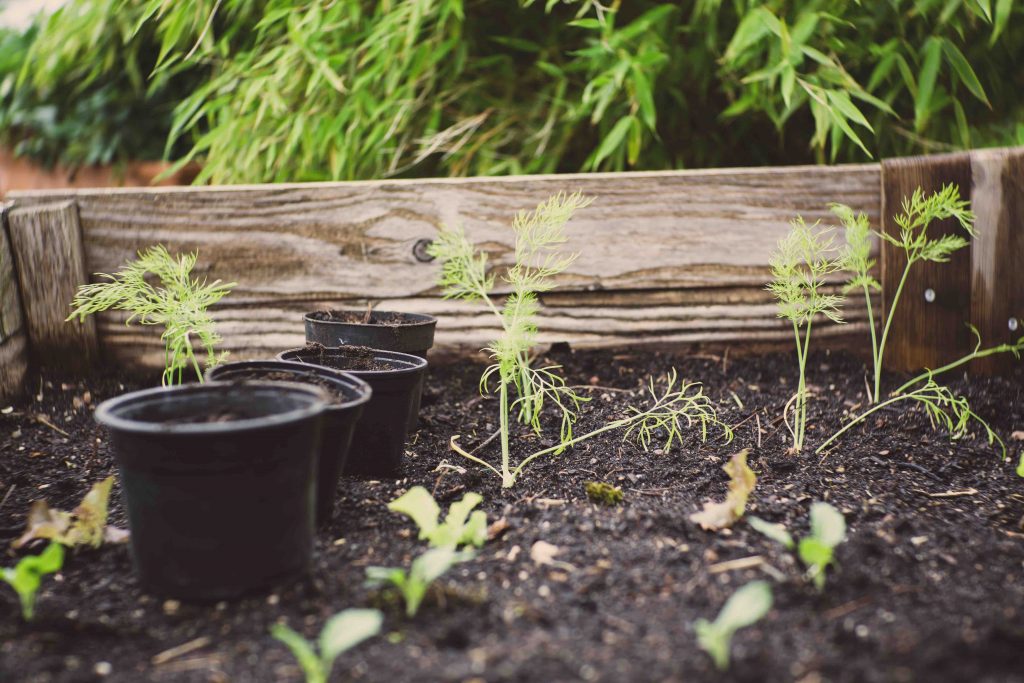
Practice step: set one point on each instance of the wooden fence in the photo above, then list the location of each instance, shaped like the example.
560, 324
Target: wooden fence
665, 257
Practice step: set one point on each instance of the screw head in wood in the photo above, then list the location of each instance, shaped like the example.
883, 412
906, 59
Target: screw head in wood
929, 295
419, 250
1013, 324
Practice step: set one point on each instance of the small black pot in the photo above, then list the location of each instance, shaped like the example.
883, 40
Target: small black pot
349, 396
218, 508
411, 333
379, 441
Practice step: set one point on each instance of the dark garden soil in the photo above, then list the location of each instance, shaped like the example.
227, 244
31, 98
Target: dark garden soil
355, 358
929, 585
388, 318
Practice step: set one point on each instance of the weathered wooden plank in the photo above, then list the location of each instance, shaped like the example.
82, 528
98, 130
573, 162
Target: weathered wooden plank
13, 339
997, 253
47, 244
684, 251
929, 323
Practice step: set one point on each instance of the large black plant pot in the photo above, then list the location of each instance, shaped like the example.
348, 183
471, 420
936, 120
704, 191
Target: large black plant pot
396, 379
219, 482
349, 396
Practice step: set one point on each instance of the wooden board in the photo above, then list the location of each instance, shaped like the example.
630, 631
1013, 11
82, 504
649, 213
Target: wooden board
47, 244
13, 339
665, 257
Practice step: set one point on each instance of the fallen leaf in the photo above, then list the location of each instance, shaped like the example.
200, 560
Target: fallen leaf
85, 525
720, 515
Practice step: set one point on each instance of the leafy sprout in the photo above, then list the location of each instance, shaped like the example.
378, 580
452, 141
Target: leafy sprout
748, 605
26, 576
828, 530
341, 633
414, 583
462, 525
180, 304
800, 266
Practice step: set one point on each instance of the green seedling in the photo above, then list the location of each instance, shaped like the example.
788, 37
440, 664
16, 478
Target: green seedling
180, 304
719, 515
828, 530
26, 576
414, 583
603, 494
460, 527
341, 633
775, 532
919, 211
800, 267
522, 389
748, 605
86, 525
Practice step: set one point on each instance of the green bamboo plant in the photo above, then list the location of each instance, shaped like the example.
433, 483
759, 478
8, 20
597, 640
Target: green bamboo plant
527, 391
180, 304
799, 268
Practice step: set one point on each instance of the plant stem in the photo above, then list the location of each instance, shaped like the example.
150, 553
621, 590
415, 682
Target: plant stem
860, 418
507, 478
617, 424
874, 337
974, 355
888, 324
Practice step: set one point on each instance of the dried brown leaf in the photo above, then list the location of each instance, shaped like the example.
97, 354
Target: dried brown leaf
720, 515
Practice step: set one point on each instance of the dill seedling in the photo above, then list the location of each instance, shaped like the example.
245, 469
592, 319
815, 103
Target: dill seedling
919, 211
180, 303
799, 268
526, 390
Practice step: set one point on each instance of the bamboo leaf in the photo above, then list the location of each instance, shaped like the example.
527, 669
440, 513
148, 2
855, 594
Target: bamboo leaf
963, 69
931, 55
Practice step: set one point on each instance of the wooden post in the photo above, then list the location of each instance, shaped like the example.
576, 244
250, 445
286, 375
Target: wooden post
47, 245
982, 285
13, 339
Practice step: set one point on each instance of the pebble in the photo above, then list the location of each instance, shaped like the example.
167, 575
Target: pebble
103, 669
171, 607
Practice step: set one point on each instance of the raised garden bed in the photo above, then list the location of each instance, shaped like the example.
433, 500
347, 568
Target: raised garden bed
926, 586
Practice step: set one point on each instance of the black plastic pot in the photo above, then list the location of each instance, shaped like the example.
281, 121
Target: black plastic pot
379, 439
411, 333
219, 482
349, 396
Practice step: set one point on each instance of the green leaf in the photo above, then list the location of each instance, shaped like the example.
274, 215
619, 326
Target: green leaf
814, 553
347, 629
827, 524
931, 56
745, 607
1004, 8
963, 69
418, 505
303, 652
1020, 466
775, 532
26, 576
612, 141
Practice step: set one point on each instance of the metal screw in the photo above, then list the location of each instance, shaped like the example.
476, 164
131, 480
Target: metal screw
1013, 324
419, 250
929, 295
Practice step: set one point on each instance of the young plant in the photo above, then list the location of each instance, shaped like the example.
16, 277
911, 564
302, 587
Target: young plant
460, 526
602, 493
919, 211
828, 530
526, 390
748, 605
86, 525
26, 576
719, 515
341, 633
799, 267
414, 583
180, 304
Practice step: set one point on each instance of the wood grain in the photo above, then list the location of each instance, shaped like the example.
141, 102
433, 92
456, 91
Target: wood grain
47, 244
13, 339
925, 334
665, 257
997, 253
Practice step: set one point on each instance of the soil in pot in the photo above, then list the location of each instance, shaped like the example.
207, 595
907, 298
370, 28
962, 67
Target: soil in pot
349, 396
396, 380
218, 480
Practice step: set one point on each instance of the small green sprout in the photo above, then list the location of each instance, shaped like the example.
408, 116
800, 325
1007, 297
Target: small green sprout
775, 532
748, 605
603, 494
828, 529
800, 267
26, 576
414, 583
179, 304
460, 527
341, 633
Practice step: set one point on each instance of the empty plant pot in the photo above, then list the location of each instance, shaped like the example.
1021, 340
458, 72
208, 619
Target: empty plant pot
219, 483
411, 333
379, 439
349, 396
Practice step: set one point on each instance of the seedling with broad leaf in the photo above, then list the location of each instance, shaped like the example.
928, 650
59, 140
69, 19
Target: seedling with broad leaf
816, 551
918, 212
341, 633
719, 515
748, 605
26, 576
461, 526
180, 303
800, 267
523, 389
414, 583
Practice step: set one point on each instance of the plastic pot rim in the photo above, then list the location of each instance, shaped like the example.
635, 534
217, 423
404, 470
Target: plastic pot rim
364, 390
418, 319
411, 364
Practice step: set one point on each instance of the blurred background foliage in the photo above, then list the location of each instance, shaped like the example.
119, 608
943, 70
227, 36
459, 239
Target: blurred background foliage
292, 90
